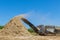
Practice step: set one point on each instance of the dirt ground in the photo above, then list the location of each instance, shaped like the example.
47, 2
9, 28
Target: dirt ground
30, 38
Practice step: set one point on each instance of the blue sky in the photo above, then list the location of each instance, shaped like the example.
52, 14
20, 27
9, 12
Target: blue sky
45, 12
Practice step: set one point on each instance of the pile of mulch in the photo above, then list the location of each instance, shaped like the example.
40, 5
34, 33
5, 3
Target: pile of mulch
15, 27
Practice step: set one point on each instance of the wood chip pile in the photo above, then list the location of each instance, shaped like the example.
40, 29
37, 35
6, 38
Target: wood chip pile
15, 27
